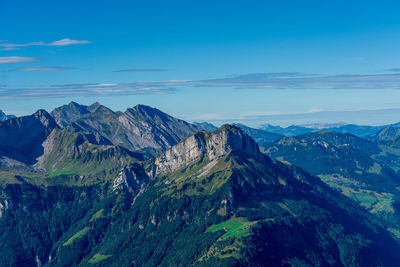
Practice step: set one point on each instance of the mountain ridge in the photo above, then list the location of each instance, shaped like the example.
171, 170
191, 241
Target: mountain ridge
89, 201
137, 128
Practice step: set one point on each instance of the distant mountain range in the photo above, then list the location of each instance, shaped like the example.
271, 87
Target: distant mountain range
206, 126
363, 170
88, 186
358, 130
364, 131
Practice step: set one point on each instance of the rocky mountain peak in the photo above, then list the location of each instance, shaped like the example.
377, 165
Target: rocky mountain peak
211, 145
95, 106
22, 138
67, 114
230, 137
45, 119
74, 104
146, 111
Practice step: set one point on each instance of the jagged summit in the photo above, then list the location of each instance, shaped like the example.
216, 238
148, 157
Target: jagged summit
21, 138
97, 107
137, 128
70, 113
211, 145
45, 118
149, 113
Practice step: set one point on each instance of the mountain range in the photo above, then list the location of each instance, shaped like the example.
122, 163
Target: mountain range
88, 186
358, 130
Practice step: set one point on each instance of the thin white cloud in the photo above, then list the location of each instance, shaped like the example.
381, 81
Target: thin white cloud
67, 41
314, 109
260, 81
37, 68
276, 113
9, 49
62, 42
72, 90
16, 59
12, 45
103, 85
140, 70
393, 70
298, 81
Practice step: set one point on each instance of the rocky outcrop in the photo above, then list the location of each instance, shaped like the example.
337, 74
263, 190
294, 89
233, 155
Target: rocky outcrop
9, 164
21, 138
132, 178
211, 145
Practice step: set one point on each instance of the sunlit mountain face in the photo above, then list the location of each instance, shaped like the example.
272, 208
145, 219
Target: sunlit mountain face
174, 133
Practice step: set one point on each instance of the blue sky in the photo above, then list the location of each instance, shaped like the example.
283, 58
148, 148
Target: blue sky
221, 61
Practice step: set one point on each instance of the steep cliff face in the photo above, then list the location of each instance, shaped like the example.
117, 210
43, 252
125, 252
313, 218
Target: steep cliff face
132, 178
137, 128
149, 127
211, 145
21, 138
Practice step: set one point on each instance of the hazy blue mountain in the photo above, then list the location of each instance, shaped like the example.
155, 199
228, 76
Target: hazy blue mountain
385, 134
359, 130
260, 136
206, 126
293, 130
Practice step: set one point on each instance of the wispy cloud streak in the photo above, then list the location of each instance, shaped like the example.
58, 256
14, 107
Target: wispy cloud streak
393, 70
66, 41
16, 59
140, 70
69, 90
261, 81
62, 42
268, 81
37, 68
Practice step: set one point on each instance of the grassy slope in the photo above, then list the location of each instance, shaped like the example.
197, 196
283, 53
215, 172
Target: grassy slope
77, 236
74, 156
